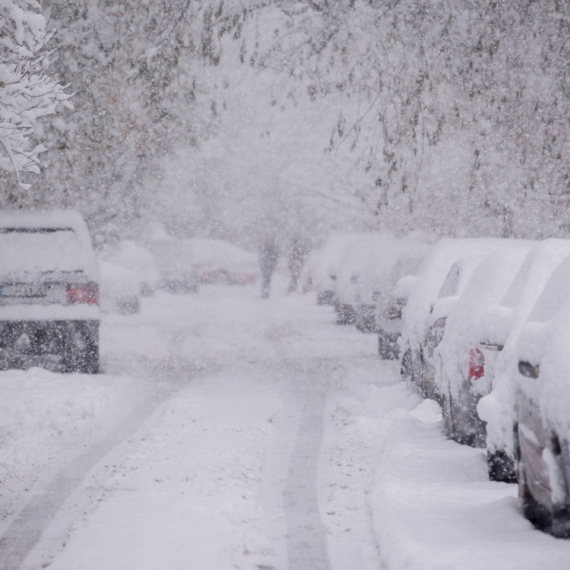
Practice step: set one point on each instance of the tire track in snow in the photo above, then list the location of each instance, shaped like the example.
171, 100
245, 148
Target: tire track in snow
26, 530
306, 542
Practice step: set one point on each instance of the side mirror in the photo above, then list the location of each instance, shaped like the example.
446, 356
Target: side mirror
492, 346
529, 370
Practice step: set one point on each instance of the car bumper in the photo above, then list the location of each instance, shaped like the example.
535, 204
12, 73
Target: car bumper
44, 343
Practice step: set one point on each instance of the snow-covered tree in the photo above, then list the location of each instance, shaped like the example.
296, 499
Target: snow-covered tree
27, 92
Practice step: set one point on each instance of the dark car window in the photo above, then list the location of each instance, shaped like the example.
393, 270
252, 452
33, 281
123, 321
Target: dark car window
25, 250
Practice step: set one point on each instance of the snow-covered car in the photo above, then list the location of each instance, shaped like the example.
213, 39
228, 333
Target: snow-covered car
542, 407
364, 268
49, 292
136, 260
217, 261
393, 298
442, 277
469, 334
383, 267
175, 265
120, 289
500, 329
324, 263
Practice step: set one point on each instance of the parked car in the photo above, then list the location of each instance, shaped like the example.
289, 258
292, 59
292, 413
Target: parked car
365, 266
382, 270
120, 289
217, 261
49, 292
393, 298
175, 265
469, 341
442, 277
324, 263
541, 408
136, 260
499, 352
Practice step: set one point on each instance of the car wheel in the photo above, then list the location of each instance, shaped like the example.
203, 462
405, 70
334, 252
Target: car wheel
82, 348
501, 467
530, 507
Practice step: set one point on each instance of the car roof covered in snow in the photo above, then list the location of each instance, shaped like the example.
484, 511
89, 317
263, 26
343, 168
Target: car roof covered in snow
326, 260
433, 273
470, 320
371, 263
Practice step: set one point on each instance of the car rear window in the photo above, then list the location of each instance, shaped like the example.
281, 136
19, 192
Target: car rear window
25, 250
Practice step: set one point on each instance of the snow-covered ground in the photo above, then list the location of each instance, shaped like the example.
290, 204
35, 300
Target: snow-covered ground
232, 432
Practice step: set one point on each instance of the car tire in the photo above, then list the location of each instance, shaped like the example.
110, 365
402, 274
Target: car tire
530, 507
82, 348
501, 467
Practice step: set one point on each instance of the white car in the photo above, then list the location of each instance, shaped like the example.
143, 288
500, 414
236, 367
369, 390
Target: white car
392, 298
49, 292
469, 339
135, 259
496, 409
120, 289
175, 265
541, 407
441, 279
363, 269
324, 264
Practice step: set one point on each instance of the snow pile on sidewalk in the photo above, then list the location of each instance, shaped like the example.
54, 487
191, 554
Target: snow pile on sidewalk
46, 417
427, 499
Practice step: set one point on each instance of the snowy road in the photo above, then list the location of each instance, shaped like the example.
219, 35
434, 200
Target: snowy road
231, 432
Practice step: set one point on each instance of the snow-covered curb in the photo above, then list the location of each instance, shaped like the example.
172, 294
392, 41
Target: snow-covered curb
426, 501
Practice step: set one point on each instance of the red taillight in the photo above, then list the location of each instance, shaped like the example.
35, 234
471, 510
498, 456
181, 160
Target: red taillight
476, 364
88, 293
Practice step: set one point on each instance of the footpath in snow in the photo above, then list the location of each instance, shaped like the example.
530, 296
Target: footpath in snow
232, 432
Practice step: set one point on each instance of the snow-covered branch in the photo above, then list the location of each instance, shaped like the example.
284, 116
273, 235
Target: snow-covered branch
27, 92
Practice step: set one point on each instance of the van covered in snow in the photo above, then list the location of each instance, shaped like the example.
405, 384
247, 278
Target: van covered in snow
49, 292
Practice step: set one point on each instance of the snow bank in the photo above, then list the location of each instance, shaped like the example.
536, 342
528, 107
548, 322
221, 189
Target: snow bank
44, 417
388, 472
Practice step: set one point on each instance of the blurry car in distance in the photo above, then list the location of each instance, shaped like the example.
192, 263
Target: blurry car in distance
221, 262
324, 264
363, 270
393, 297
137, 260
120, 289
49, 292
175, 266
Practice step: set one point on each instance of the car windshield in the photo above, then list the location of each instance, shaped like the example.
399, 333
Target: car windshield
38, 250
